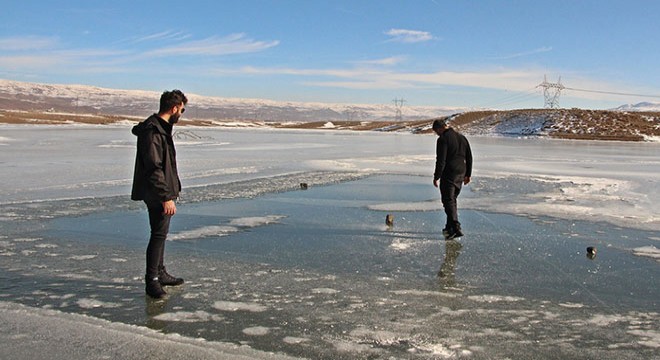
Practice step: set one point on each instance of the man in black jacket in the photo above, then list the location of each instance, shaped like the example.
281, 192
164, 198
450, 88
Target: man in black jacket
453, 168
156, 182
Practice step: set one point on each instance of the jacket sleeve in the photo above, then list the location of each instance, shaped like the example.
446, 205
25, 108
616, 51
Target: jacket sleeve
153, 162
468, 159
440, 158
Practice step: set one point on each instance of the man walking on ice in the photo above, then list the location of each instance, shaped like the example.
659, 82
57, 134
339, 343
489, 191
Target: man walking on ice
453, 169
156, 182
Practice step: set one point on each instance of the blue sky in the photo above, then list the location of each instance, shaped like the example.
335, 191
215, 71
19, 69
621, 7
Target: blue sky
428, 52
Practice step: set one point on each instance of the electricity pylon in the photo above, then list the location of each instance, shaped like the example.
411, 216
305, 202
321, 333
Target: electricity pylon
551, 92
398, 105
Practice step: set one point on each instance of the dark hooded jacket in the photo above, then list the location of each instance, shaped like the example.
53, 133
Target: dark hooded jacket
453, 157
155, 177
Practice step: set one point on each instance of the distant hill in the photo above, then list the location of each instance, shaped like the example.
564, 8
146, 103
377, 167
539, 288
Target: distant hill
642, 106
81, 99
60, 104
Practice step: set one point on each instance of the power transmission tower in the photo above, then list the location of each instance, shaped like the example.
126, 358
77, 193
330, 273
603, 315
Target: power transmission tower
551, 92
398, 105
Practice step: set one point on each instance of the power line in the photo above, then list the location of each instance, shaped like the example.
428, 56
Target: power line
612, 93
518, 97
551, 93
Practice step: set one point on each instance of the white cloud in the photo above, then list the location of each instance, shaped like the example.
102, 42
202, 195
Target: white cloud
21, 43
17, 63
393, 60
498, 79
78, 58
33, 54
408, 36
30, 54
363, 78
493, 79
251, 70
168, 35
375, 84
232, 44
89, 53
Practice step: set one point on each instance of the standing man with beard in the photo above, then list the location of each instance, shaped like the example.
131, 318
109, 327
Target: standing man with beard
453, 168
156, 182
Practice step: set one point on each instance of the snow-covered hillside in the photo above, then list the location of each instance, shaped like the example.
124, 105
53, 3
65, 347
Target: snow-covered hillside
642, 106
563, 123
82, 99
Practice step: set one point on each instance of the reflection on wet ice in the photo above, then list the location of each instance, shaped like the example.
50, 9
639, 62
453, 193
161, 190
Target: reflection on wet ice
447, 273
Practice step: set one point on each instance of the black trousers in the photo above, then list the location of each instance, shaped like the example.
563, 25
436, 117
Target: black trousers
449, 191
160, 226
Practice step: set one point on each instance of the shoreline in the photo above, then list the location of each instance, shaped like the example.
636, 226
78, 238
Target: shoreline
45, 118
38, 333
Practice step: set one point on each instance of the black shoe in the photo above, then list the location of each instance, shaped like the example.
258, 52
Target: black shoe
454, 234
166, 279
154, 289
445, 232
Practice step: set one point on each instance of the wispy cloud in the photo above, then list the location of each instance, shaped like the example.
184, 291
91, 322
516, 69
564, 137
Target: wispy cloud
389, 61
22, 43
378, 78
251, 70
168, 35
491, 79
361, 78
408, 36
525, 53
23, 62
62, 60
30, 54
232, 44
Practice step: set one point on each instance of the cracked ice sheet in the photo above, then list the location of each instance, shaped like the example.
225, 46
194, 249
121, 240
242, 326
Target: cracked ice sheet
318, 274
334, 281
613, 181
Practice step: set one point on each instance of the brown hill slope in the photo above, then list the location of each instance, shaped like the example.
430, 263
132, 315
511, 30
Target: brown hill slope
563, 123
558, 123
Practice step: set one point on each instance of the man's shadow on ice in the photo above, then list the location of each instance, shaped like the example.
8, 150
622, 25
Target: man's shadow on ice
447, 273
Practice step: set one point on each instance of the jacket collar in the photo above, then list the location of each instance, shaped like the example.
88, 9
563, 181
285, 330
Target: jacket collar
163, 126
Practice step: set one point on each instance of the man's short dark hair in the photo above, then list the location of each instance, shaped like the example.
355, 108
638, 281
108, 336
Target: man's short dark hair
170, 99
439, 123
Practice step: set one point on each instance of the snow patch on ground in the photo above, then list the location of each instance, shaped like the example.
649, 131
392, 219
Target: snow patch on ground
204, 232
82, 257
234, 226
256, 331
292, 340
494, 298
256, 221
188, 316
93, 303
239, 306
423, 293
326, 291
648, 251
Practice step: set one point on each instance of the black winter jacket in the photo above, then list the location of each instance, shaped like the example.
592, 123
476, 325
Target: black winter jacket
453, 157
155, 177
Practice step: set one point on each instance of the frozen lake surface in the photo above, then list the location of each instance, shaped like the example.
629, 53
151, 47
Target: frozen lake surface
316, 273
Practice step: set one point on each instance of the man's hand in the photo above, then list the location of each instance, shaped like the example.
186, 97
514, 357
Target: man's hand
466, 180
435, 182
169, 208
